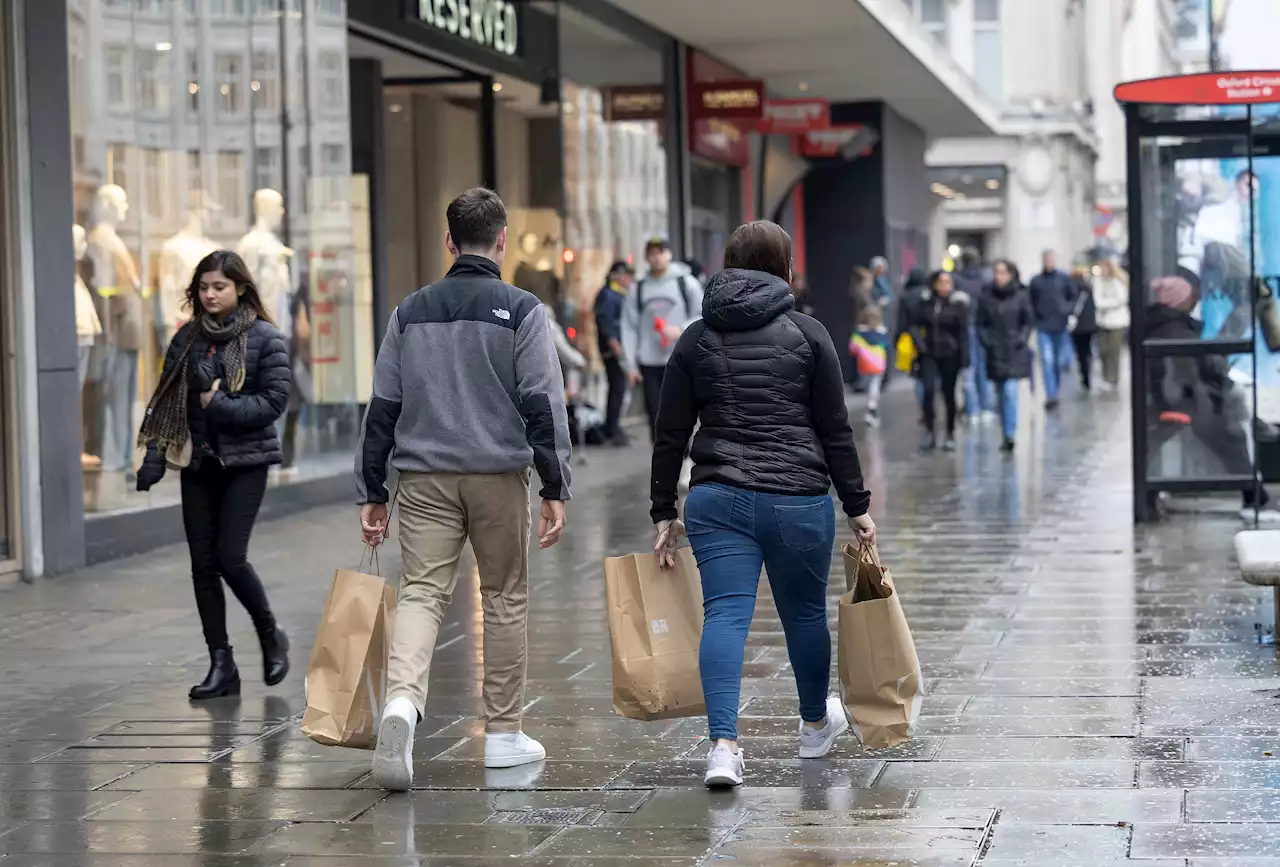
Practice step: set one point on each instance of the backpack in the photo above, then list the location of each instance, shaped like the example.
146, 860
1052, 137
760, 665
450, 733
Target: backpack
684, 293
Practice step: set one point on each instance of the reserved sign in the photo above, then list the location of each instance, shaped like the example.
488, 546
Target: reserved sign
490, 24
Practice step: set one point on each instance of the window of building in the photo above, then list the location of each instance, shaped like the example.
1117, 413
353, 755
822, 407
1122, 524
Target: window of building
988, 48
153, 81
333, 160
333, 70
266, 82
155, 180
193, 82
118, 78
232, 197
228, 69
266, 169
337, 8
932, 15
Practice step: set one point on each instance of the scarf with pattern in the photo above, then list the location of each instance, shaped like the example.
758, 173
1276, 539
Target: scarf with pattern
165, 423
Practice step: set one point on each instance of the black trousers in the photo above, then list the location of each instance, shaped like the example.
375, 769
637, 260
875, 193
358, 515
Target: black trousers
934, 373
219, 507
1084, 355
652, 396
617, 378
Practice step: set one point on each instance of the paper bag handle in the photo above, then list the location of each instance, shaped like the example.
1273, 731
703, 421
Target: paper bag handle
371, 551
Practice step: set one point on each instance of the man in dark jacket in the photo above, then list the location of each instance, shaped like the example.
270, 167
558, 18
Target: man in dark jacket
1005, 322
468, 395
608, 309
1052, 300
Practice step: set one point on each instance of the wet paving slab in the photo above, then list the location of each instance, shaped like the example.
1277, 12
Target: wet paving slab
1096, 696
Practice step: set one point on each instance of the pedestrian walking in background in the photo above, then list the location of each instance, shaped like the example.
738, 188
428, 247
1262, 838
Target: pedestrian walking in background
660, 306
610, 301
1005, 323
467, 395
972, 279
881, 288
1083, 324
765, 383
1111, 297
940, 330
224, 384
572, 365
871, 355
1052, 300
914, 292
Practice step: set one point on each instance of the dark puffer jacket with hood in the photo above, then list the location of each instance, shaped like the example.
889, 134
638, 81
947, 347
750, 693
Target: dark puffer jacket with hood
765, 382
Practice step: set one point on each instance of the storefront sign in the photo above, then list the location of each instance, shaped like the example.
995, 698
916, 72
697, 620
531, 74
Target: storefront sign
634, 102
1208, 88
491, 24
728, 100
790, 116
721, 140
850, 142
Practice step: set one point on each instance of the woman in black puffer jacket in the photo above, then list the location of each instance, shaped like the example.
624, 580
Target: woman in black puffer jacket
766, 385
224, 384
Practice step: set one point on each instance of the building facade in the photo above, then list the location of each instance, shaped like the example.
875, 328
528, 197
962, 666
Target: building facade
1053, 177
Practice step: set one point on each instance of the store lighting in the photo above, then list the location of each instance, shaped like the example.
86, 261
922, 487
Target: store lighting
225, 90
569, 256
993, 184
953, 251
497, 87
804, 87
164, 46
395, 108
193, 88
255, 85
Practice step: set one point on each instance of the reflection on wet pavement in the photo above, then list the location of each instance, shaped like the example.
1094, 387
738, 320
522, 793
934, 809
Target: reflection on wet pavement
1096, 698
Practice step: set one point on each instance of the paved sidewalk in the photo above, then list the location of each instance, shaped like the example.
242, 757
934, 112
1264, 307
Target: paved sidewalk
1097, 698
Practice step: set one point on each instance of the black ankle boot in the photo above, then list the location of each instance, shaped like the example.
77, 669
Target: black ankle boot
223, 678
275, 655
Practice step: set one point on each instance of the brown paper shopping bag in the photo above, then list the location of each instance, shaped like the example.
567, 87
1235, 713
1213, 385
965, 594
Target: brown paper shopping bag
655, 626
347, 677
880, 681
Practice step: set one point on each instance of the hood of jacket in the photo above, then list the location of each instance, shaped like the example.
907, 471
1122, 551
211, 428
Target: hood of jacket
1169, 323
1008, 290
738, 300
916, 278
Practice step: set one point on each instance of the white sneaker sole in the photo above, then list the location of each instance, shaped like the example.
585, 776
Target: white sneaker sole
821, 750
514, 760
724, 778
392, 761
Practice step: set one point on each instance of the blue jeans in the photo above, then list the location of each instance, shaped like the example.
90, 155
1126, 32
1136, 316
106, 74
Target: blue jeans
1007, 390
977, 388
1055, 346
733, 533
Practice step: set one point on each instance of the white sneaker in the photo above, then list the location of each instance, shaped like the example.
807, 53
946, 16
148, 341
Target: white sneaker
393, 759
816, 743
510, 750
724, 767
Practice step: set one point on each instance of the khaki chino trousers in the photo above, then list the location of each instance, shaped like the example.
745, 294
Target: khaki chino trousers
439, 513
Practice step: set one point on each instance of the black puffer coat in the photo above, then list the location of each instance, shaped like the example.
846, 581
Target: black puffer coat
939, 327
766, 384
1005, 322
237, 429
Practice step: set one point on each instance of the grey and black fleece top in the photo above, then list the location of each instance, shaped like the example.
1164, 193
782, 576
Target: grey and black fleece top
467, 381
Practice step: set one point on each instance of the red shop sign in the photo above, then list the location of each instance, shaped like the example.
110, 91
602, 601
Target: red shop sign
838, 140
736, 100
1206, 88
790, 116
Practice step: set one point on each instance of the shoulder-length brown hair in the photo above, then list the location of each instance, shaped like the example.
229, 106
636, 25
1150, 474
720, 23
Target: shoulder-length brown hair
235, 270
760, 246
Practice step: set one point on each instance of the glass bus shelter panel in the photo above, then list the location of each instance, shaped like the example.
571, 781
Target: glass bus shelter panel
1191, 113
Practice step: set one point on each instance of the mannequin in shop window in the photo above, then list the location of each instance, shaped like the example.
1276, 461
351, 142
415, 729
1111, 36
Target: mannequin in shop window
268, 259
117, 290
88, 325
179, 256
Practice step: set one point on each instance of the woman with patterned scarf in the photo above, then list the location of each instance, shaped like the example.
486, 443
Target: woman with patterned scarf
213, 416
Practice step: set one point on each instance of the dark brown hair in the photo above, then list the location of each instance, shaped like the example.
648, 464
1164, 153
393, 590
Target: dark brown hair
760, 246
476, 218
235, 270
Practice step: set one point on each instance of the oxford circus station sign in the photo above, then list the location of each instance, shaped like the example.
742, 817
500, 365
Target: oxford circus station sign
489, 23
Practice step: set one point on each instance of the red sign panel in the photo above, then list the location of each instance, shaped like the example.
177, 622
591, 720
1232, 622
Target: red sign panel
791, 116
728, 100
851, 141
1206, 88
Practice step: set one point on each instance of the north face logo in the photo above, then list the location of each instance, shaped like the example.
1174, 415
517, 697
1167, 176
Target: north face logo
504, 315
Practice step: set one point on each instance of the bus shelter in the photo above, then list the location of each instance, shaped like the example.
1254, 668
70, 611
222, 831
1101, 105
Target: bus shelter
1203, 154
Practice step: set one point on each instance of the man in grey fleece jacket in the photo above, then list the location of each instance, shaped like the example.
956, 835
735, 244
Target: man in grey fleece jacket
467, 395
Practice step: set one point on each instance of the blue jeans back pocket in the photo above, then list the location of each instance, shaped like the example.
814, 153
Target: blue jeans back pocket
708, 508
806, 527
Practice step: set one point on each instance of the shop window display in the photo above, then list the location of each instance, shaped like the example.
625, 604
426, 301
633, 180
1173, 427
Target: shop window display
177, 149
